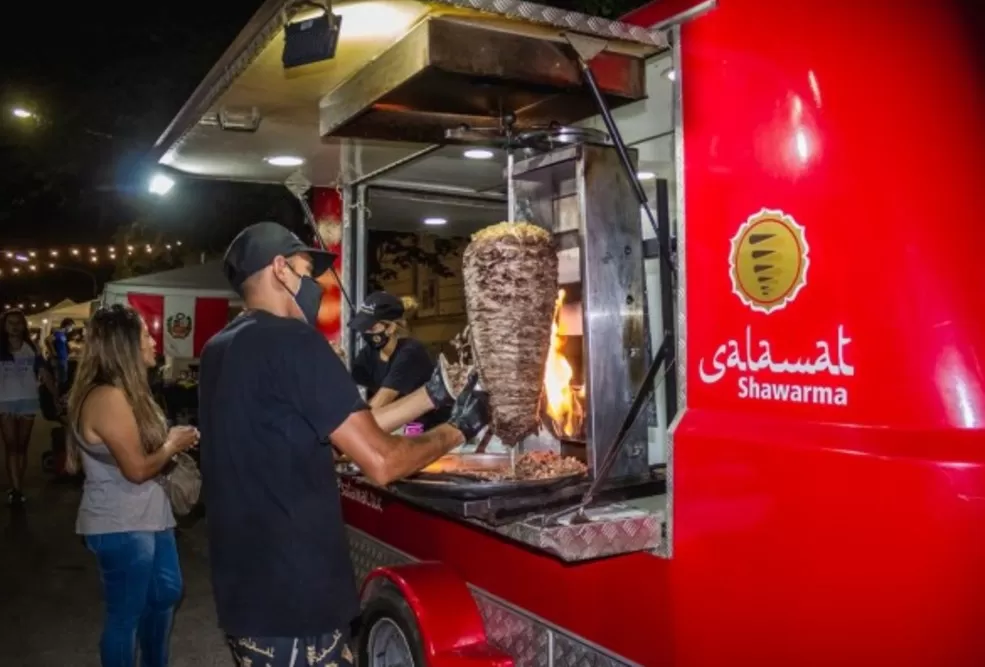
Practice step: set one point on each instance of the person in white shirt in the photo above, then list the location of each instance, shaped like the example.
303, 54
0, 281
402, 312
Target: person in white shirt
21, 368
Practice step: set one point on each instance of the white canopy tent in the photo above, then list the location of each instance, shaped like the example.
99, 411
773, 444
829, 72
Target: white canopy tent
46, 320
201, 280
183, 307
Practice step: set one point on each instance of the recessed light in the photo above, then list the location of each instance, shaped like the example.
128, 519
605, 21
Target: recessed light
284, 160
645, 175
160, 184
435, 222
478, 154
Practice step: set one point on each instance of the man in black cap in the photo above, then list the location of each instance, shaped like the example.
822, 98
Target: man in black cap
272, 391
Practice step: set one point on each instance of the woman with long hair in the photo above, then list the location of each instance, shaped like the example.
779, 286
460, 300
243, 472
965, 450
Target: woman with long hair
123, 445
21, 367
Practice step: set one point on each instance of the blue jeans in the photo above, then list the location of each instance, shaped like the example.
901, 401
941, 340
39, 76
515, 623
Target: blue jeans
141, 585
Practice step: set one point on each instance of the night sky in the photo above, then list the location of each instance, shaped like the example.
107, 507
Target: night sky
105, 79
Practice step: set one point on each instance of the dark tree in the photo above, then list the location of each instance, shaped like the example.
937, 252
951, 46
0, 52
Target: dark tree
389, 252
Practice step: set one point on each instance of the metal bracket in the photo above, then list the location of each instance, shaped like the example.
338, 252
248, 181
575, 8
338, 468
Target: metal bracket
299, 186
586, 47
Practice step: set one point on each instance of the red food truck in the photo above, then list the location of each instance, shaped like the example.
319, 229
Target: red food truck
808, 487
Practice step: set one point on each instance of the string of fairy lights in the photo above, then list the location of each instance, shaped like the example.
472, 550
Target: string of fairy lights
27, 306
14, 262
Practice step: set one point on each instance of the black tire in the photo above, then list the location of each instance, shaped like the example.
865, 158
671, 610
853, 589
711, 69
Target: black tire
48, 463
388, 605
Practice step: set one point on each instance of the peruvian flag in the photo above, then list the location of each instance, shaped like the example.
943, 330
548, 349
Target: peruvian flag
180, 324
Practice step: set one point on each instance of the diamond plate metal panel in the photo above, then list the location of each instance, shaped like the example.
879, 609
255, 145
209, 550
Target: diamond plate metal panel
559, 18
612, 530
525, 640
569, 652
368, 554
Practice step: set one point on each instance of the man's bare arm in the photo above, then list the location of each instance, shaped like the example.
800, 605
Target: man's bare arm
383, 398
392, 416
385, 458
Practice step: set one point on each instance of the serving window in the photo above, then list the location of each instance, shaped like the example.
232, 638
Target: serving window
409, 225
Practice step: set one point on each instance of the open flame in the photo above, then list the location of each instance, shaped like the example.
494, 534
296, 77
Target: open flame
563, 400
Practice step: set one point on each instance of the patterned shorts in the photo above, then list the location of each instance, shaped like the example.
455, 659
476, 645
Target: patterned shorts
330, 650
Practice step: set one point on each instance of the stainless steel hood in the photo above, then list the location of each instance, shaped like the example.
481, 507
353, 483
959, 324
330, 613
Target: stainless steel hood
404, 71
448, 71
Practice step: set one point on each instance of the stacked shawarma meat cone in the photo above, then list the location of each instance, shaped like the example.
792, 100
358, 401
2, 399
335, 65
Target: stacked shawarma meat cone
510, 273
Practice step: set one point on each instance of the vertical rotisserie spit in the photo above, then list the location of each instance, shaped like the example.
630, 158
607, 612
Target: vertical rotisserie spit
510, 272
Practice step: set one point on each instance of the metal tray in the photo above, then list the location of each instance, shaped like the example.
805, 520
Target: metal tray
480, 489
462, 463
448, 477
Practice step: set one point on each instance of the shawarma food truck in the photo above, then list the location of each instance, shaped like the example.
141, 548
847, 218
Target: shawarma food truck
774, 368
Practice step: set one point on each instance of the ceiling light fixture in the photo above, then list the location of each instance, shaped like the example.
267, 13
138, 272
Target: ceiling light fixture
645, 175
310, 39
284, 160
435, 222
670, 74
239, 120
160, 184
478, 154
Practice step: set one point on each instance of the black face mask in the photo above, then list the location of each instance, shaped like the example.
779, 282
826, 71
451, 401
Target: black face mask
308, 297
376, 341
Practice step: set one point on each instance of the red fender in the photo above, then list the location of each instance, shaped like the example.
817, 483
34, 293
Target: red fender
451, 627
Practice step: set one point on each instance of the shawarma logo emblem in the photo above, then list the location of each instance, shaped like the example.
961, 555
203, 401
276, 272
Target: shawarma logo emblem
179, 325
769, 260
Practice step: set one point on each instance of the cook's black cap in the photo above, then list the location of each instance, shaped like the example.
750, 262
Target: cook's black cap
378, 307
255, 247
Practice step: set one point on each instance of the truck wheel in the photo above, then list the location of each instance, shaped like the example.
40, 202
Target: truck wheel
388, 635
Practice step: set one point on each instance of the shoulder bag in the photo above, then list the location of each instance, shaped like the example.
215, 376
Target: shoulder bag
183, 483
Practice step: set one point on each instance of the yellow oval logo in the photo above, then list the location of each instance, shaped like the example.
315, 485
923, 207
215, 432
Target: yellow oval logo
769, 261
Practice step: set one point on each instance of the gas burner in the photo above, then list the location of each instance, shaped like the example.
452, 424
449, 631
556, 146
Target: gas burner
540, 139
558, 135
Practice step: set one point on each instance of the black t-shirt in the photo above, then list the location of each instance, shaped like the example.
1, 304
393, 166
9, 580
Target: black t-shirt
271, 391
408, 369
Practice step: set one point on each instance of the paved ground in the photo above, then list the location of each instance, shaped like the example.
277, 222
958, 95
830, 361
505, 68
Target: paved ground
50, 609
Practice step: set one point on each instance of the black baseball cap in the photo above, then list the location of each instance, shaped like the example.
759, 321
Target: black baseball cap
255, 247
377, 307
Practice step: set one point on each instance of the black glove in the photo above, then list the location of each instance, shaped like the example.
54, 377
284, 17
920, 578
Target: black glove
471, 411
437, 386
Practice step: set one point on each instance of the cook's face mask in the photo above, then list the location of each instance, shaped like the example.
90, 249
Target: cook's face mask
377, 338
308, 296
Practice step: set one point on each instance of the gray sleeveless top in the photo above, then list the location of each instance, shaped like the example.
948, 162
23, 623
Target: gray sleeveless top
113, 504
